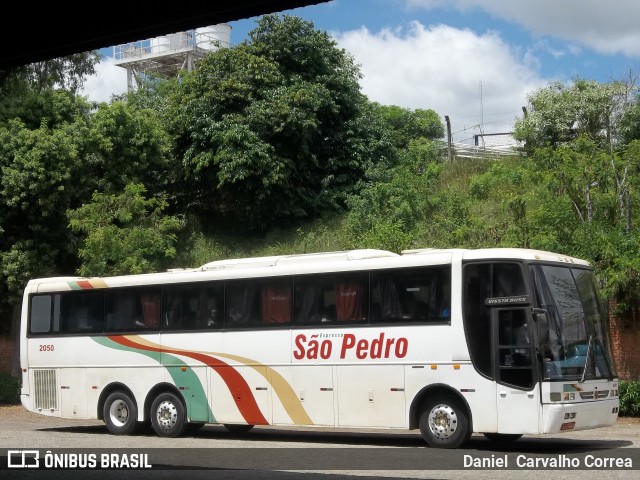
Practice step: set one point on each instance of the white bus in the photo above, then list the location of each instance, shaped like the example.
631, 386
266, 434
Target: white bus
502, 342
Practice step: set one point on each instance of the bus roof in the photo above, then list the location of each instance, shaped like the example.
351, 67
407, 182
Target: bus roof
323, 262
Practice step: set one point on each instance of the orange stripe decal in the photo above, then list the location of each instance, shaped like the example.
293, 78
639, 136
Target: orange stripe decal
242, 395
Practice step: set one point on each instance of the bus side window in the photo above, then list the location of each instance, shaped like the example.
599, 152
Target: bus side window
444, 299
210, 306
414, 308
508, 280
150, 310
40, 314
276, 302
172, 316
120, 311
385, 299
213, 310
82, 312
193, 307
350, 300
307, 303
411, 295
133, 309
314, 301
242, 304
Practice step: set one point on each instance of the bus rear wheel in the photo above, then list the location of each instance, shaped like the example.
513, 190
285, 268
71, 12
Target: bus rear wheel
168, 415
444, 422
120, 414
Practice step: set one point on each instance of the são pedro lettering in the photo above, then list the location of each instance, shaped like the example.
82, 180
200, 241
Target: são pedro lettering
315, 347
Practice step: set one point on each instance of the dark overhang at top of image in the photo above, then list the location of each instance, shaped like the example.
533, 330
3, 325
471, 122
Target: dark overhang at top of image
35, 32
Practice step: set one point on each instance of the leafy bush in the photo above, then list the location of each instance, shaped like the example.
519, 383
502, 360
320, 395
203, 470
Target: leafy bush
9, 389
629, 391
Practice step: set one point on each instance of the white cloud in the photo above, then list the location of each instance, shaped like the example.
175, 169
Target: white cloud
470, 77
108, 80
606, 27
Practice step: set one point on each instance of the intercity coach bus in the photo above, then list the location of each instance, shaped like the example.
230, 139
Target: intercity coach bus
502, 342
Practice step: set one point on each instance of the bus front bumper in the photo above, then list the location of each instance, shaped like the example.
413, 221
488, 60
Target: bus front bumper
566, 417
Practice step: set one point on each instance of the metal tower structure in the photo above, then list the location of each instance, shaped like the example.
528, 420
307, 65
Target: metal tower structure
165, 56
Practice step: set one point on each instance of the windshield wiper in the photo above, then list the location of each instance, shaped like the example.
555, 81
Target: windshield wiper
586, 361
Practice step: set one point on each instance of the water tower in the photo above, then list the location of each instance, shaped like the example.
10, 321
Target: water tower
165, 56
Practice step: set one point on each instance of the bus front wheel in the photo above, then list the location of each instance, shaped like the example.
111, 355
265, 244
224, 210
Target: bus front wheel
444, 422
168, 416
120, 414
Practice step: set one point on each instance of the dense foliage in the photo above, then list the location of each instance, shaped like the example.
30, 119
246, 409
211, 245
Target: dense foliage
125, 233
629, 398
272, 131
584, 157
9, 390
56, 150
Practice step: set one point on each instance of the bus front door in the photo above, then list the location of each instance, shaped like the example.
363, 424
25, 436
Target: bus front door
518, 399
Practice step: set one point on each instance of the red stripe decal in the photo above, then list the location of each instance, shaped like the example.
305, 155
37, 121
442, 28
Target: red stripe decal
238, 387
84, 284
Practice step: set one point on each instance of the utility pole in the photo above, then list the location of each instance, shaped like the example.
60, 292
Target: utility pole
449, 143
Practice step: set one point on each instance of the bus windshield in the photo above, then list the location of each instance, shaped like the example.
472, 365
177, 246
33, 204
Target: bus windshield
572, 327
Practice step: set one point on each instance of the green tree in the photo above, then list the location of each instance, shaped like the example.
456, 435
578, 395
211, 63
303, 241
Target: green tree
125, 233
585, 166
67, 73
36, 184
36, 187
270, 130
126, 144
403, 125
560, 113
40, 120
55, 165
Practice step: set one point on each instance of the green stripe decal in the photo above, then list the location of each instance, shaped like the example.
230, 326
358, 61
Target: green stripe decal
197, 405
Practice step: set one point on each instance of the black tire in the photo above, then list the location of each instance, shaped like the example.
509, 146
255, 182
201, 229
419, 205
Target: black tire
237, 428
168, 415
444, 422
120, 414
503, 438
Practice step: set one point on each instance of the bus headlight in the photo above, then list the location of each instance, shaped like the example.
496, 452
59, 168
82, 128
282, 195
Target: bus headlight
567, 396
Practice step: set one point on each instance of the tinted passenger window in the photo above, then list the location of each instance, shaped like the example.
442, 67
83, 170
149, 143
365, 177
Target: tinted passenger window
40, 314
415, 295
193, 307
82, 312
133, 309
331, 298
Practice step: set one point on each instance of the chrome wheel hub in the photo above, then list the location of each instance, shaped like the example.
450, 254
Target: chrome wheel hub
443, 421
167, 415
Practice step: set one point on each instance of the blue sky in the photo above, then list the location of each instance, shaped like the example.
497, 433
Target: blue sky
559, 57
474, 60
